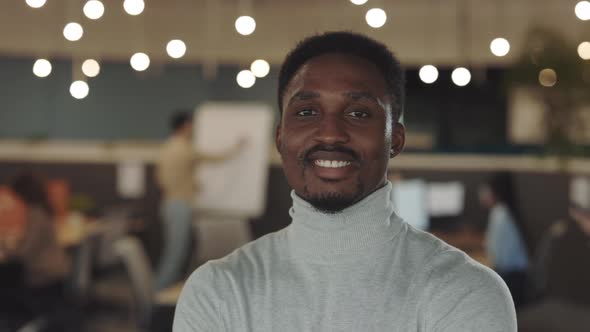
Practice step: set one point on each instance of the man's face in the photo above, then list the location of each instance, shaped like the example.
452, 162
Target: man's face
336, 135
486, 197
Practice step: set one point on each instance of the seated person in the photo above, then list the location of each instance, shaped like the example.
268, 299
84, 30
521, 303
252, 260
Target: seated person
45, 263
504, 242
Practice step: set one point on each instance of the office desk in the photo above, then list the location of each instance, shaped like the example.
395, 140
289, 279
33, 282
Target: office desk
69, 235
73, 234
470, 241
169, 296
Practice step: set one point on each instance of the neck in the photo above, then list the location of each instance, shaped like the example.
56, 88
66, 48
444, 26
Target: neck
359, 228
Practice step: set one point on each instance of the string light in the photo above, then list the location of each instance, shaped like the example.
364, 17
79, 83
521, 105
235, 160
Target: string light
500, 47
79, 89
36, 3
91, 68
93, 9
133, 7
584, 50
428, 74
176, 48
245, 25
246, 79
73, 31
376, 17
582, 10
461, 76
547, 77
140, 61
260, 68
42, 68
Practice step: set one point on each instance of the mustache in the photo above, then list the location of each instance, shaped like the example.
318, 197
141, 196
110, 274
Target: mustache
304, 157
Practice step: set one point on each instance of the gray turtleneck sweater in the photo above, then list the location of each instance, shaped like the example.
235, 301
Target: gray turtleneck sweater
363, 269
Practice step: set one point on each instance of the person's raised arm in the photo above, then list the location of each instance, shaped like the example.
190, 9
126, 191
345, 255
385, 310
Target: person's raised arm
223, 156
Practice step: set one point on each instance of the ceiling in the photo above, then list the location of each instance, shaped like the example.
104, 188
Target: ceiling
419, 31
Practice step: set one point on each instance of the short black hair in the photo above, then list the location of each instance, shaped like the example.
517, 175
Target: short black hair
502, 186
352, 44
179, 119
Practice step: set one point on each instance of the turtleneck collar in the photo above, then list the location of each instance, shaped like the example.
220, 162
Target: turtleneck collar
353, 232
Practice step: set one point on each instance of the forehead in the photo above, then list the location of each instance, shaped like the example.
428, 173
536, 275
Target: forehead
338, 72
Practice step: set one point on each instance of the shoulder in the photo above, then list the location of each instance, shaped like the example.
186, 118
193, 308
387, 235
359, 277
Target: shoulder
244, 263
198, 306
253, 255
205, 295
446, 267
458, 293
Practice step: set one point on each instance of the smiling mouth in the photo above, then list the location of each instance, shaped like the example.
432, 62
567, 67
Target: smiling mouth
331, 163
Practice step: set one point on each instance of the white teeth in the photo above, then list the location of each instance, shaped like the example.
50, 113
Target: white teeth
332, 163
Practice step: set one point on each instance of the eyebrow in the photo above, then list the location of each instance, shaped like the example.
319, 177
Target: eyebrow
359, 95
303, 95
354, 95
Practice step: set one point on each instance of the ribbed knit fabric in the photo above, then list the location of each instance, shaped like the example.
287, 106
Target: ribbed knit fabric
362, 269
321, 237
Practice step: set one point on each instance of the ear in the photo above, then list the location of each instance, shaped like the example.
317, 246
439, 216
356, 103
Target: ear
398, 139
278, 138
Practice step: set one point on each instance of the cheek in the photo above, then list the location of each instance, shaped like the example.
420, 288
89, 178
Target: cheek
374, 148
292, 141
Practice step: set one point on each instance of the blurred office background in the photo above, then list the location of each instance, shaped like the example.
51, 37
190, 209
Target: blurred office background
87, 88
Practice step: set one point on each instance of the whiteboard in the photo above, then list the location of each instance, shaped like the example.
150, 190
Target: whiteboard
237, 186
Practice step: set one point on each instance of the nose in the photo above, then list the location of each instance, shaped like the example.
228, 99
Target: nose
332, 130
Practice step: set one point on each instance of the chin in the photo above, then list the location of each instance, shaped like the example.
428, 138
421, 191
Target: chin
333, 199
330, 202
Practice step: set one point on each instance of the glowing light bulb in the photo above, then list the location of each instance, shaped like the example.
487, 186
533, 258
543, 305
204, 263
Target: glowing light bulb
42, 68
176, 48
246, 79
134, 7
461, 76
584, 50
245, 25
376, 17
73, 31
547, 77
79, 89
91, 68
582, 10
36, 3
428, 74
140, 61
500, 47
93, 9
260, 68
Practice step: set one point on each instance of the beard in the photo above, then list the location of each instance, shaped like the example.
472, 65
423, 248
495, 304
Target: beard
333, 202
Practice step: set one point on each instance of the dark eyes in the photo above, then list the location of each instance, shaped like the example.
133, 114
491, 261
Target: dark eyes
307, 112
356, 114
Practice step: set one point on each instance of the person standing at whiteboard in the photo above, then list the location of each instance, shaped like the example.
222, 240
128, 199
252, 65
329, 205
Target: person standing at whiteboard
177, 162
